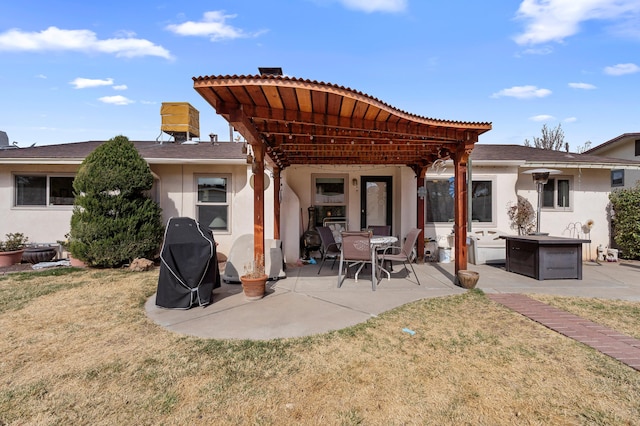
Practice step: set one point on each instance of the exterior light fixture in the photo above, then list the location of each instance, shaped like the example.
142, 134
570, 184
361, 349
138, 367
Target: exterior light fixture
540, 178
422, 192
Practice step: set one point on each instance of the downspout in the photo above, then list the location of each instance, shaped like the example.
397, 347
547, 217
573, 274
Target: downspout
469, 197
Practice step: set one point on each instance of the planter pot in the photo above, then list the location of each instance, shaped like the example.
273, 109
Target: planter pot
467, 279
8, 258
77, 263
35, 255
254, 288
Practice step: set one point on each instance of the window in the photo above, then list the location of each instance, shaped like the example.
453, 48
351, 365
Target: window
213, 203
556, 194
440, 194
617, 177
330, 196
43, 190
637, 147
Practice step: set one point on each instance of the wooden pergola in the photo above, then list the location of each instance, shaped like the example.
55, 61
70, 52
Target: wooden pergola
291, 121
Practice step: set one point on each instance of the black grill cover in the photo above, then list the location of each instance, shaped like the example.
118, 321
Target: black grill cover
189, 266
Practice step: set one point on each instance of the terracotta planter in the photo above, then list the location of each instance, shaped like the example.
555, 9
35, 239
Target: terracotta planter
254, 288
8, 258
467, 279
77, 263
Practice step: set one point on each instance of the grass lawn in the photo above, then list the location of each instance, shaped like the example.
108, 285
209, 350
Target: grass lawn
76, 348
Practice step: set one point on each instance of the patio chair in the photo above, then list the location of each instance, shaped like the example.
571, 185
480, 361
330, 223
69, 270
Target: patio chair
403, 253
356, 251
381, 230
330, 249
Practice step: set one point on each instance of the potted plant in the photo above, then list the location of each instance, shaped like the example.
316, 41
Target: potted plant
12, 248
66, 246
522, 216
254, 279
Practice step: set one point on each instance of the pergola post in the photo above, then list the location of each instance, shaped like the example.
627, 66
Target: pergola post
258, 201
460, 159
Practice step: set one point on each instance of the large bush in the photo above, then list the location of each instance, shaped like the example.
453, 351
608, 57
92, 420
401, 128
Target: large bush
626, 221
113, 221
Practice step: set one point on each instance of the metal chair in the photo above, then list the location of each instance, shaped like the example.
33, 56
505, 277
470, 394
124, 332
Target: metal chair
381, 230
356, 251
330, 249
404, 252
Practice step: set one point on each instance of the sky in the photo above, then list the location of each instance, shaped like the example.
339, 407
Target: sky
72, 71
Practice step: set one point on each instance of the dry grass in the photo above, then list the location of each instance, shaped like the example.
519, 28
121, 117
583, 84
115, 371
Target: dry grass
81, 351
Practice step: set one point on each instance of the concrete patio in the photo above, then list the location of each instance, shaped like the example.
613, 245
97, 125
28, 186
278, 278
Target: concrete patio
306, 303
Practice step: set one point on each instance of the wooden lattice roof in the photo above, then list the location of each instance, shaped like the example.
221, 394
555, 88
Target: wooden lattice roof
309, 122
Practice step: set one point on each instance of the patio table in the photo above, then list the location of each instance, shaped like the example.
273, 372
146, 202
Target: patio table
378, 243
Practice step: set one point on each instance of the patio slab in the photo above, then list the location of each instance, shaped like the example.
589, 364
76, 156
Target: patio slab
306, 303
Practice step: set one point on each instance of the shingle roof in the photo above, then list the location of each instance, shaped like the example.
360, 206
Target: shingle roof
168, 152
613, 141
486, 152
151, 151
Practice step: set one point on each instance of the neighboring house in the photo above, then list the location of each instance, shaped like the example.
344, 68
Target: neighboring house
210, 181
626, 147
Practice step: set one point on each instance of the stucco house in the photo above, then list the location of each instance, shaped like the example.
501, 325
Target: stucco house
212, 182
626, 147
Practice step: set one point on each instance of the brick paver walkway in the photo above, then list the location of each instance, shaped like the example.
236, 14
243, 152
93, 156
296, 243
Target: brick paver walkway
625, 349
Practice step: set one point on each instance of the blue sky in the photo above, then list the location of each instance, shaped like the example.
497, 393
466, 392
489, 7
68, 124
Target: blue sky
75, 70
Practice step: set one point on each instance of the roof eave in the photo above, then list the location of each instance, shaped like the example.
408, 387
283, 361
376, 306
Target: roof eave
564, 165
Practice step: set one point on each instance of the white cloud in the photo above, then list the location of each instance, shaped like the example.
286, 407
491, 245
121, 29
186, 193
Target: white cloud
542, 117
622, 69
376, 5
213, 25
83, 83
555, 20
56, 39
522, 92
545, 50
570, 119
116, 100
120, 87
42, 76
584, 86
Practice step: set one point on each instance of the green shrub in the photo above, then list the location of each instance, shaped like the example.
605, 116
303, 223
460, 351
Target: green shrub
113, 221
626, 221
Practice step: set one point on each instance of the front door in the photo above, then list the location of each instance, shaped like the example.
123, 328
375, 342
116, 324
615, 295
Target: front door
375, 201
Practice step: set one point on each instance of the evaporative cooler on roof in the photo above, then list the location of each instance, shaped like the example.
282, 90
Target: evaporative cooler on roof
180, 120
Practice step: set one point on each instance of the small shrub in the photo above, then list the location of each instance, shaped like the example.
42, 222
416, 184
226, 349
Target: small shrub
625, 204
522, 216
13, 242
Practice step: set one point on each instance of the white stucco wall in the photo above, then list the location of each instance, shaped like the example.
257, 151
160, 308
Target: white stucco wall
625, 150
42, 225
178, 197
177, 189
590, 189
298, 193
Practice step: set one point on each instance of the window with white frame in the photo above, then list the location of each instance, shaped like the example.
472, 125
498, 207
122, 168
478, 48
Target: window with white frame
440, 196
213, 205
41, 190
556, 194
330, 196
